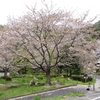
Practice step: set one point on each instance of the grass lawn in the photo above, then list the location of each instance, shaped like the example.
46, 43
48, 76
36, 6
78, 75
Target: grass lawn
24, 88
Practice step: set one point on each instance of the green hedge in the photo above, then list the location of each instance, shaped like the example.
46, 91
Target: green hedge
81, 78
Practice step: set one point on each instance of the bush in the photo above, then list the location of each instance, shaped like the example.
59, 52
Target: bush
90, 78
76, 77
81, 78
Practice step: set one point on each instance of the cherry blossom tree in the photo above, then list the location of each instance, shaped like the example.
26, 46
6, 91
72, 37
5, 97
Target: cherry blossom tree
6, 56
40, 35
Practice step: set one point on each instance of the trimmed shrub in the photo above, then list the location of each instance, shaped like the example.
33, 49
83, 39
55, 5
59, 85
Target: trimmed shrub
90, 78
81, 78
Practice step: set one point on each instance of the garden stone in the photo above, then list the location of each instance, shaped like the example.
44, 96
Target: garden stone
69, 79
13, 86
35, 78
3, 87
32, 83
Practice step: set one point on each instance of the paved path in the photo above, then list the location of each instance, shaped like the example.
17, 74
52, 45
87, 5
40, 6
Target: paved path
90, 95
97, 85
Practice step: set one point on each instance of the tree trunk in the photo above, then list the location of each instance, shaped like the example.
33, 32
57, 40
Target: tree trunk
67, 73
70, 74
5, 74
48, 81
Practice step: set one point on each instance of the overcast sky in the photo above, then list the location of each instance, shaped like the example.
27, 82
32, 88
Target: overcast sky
18, 7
